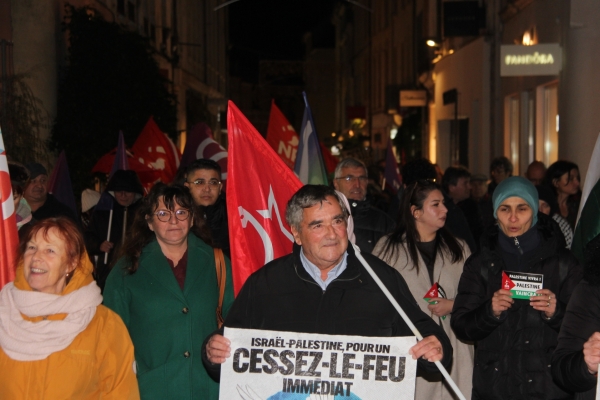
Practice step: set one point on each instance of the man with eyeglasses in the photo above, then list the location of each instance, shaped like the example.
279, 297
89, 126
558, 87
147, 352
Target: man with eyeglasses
125, 190
203, 178
370, 223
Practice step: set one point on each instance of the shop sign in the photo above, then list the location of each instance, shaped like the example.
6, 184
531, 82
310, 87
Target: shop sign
413, 98
537, 60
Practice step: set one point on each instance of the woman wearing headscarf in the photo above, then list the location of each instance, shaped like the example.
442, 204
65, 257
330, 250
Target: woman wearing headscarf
516, 331
426, 254
577, 355
56, 340
563, 177
165, 288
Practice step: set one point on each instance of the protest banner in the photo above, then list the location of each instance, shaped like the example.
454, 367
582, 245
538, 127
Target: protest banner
273, 365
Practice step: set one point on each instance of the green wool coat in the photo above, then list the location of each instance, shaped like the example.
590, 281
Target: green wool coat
168, 325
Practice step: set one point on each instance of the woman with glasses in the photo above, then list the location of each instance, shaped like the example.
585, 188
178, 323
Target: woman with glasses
512, 298
164, 286
431, 261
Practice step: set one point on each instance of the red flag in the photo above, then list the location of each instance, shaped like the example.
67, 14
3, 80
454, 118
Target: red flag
282, 137
260, 185
201, 144
9, 239
154, 149
107, 163
432, 292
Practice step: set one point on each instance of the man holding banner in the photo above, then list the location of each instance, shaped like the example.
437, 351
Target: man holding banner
323, 288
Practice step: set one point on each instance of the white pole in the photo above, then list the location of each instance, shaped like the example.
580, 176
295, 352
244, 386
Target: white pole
108, 234
412, 327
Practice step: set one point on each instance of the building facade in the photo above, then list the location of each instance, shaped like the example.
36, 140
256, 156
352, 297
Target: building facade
490, 87
190, 39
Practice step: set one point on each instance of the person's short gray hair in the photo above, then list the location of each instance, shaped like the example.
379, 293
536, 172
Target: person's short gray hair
306, 197
349, 162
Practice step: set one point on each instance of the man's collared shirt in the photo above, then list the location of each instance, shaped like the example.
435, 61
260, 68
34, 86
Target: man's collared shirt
315, 272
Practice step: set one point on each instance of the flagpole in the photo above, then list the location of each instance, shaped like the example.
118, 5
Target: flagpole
412, 326
108, 234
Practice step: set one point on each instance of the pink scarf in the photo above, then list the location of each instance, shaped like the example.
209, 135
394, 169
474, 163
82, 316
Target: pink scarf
24, 340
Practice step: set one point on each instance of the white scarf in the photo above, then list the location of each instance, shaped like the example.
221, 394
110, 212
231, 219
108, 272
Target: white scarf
24, 340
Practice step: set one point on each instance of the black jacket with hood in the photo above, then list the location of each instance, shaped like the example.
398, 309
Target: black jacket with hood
581, 320
513, 352
97, 230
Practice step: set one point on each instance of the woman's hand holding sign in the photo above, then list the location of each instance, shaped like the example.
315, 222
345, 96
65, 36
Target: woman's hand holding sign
440, 307
501, 301
545, 301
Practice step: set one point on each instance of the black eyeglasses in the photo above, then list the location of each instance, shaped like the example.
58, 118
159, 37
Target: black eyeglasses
352, 178
165, 215
212, 184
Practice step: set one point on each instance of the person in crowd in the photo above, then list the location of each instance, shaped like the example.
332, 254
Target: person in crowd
515, 337
479, 185
425, 253
43, 204
549, 206
203, 178
563, 177
370, 223
19, 178
57, 340
125, 190
456, 184
422, 169
332, 291
479, 193
536, 171
500, 169
165, 287
577, 355
89, 199
377, 195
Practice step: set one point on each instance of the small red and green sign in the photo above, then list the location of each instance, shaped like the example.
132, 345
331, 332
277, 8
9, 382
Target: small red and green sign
522, 285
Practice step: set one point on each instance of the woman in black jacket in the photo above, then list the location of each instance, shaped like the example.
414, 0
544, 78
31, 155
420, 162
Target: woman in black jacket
575, 360
515, 337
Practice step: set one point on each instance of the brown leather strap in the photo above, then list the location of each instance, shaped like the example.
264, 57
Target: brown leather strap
221, 278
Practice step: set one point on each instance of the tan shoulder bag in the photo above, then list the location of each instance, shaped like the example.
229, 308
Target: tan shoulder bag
221, 279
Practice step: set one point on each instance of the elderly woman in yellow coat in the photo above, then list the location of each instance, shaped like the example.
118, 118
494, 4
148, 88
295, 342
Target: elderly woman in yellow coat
426, 254
56, 340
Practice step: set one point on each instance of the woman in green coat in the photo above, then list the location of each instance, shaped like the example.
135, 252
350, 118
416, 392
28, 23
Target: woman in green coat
165, 289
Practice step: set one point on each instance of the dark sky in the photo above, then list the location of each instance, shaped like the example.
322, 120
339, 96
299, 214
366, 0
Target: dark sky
273, 30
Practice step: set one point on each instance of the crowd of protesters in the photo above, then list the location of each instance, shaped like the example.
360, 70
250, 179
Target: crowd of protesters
159, 263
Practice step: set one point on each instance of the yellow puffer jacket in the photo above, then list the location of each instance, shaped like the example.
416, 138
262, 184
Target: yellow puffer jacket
98, 364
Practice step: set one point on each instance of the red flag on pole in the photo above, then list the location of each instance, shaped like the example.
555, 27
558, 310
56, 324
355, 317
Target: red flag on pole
282, 137
154, 149
259, 187
9, 239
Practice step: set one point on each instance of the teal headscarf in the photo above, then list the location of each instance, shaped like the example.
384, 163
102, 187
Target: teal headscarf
516, 186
